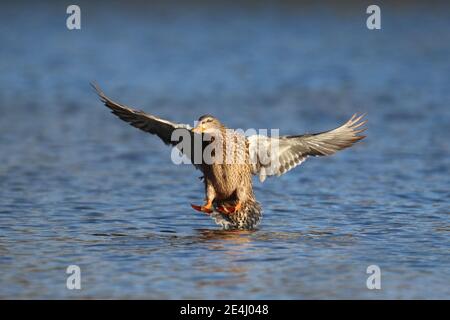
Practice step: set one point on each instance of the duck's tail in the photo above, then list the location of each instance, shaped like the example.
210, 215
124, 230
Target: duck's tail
246, 218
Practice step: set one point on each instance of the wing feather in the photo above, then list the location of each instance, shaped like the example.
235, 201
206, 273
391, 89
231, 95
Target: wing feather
164, 129
141, 120
286, 152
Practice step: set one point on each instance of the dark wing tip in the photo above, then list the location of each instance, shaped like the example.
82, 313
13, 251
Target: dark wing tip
115, 107
98, 91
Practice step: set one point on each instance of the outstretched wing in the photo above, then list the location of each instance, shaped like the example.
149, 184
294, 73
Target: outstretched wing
141, 120
276, 156
149, 123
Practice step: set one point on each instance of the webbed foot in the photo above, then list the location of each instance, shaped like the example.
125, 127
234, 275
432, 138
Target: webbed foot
207, 208
229, 209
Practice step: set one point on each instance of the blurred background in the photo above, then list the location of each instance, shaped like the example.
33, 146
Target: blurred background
78, 186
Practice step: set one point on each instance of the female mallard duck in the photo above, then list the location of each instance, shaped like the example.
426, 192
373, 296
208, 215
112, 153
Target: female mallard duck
228, 179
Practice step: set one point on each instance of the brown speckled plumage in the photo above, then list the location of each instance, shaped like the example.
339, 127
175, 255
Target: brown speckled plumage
230, 182
230, 200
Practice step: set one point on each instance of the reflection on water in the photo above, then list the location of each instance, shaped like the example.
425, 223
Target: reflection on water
77, 186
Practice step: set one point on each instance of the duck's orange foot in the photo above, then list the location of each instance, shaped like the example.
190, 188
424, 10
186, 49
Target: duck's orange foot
205, 209
229, 209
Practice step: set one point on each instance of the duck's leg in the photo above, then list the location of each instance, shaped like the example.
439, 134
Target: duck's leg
210, 195
241, 196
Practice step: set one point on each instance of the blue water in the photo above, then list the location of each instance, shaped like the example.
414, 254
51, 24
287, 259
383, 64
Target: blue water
78, 186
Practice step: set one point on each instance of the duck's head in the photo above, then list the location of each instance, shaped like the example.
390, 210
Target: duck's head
208, 124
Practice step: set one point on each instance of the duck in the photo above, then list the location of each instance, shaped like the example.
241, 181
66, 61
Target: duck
234, 158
